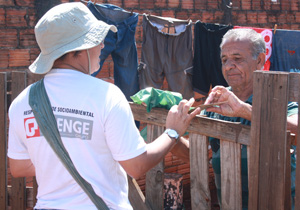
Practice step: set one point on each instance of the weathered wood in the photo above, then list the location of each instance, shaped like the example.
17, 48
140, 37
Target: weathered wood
35, 188
253, 151
288, 197
297, 193
136, 196
3, 141
29, 201
18, 84
18, 193
155, 176
272, 156
199, 175
32, 78
220, 129
294, 92
231, 187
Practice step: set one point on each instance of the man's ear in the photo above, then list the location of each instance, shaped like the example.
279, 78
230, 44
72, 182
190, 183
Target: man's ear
261, 59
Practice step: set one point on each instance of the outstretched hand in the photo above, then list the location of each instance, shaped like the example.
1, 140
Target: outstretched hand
234, 107
179, 118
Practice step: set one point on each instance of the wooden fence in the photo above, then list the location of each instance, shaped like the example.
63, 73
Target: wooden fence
267, 143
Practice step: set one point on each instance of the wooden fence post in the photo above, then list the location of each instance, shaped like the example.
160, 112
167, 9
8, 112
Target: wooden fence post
18, 83
155, 176
268, 141
3, 142
200, 193
231, 186
297, 193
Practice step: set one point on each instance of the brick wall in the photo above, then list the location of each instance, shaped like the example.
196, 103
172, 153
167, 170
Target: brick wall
18, 17
18, 47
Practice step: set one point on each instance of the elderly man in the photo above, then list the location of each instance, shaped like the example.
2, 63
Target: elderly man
242, 52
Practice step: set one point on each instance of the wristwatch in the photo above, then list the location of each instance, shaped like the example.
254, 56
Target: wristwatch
172, 134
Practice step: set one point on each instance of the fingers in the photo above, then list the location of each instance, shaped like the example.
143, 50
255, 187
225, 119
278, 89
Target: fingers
185, 105
179, 118
194, 113
215, 95
214, 109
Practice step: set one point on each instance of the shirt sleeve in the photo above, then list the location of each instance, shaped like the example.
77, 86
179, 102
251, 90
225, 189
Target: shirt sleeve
123, 137
16, 147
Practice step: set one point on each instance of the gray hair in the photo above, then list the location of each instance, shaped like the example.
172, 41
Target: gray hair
243, 34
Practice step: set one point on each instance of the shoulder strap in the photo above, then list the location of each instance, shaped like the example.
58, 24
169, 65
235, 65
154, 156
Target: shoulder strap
42, 110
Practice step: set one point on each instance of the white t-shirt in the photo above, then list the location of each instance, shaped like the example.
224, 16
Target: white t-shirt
98, 130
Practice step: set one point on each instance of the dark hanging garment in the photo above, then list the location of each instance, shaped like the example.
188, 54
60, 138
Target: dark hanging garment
120, 45
167, 52
286, 51
207, 62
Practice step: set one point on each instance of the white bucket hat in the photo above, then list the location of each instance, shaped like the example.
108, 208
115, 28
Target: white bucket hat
64, 28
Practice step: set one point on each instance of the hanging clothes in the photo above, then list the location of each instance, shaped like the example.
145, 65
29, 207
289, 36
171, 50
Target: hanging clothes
207, 62
286, 51
120, 45
167, 53
268, 36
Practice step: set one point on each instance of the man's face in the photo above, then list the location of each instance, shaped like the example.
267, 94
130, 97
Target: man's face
238, 64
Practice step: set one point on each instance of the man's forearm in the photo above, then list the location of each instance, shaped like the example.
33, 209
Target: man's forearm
181, 150
246, 112
21, 168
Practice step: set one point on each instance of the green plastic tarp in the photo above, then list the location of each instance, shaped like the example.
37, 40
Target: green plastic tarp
151, 97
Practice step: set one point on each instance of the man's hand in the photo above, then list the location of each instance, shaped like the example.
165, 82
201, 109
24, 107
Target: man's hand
178, 117
234, 106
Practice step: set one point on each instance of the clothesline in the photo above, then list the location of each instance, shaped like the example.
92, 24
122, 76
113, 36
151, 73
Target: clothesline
94, 2
275, 26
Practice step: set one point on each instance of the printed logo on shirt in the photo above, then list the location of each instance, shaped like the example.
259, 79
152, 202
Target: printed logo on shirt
70, 127
73, 127
31, 128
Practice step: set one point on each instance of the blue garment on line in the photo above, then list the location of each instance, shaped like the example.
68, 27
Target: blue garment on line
120, 45
285, 51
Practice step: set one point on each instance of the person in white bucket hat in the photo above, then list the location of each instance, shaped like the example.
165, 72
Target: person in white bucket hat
67, 28
93, 117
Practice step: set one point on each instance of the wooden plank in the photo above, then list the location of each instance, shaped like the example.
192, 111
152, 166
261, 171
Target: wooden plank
199, 174
220, 129
253, 150
35, 188
32, 78
136, 196
29, 201
231, 186
18, 84
155, 176
297, 193
288, 197
3, 141
294, 81
273, 141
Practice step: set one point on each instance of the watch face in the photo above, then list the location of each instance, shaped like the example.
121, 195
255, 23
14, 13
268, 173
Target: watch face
173, 133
